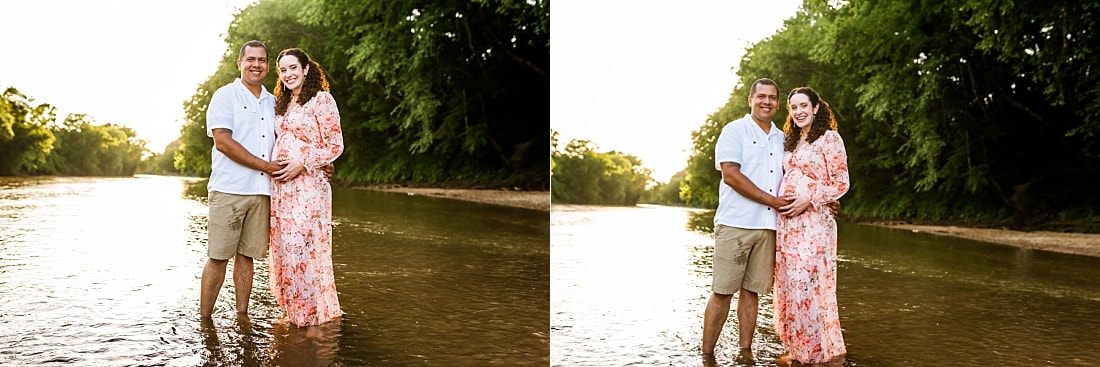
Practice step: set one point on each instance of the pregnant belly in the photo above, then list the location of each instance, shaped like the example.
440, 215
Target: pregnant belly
289, 148
793, 185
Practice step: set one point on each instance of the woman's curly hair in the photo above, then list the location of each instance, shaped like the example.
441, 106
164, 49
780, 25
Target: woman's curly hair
315, 81
823, 114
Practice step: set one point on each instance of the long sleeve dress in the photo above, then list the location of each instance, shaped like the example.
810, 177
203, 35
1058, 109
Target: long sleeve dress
806, 315
300, 260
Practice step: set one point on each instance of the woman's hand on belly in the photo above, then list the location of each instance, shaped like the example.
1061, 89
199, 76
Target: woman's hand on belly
293, 169
796, 207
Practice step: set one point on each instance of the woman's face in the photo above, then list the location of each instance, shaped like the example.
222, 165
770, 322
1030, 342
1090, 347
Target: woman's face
801, 111
292, 73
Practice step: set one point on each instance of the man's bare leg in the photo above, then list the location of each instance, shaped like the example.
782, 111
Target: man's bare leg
714, 318
242, 281
212, 277
747, 303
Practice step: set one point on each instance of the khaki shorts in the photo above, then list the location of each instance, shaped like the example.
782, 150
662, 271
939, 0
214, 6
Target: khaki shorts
238, 224
743, 258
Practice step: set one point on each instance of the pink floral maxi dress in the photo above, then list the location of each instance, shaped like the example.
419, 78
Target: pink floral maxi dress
806, 316
300, 260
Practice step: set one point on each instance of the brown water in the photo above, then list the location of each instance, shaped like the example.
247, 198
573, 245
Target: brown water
629, 286
105, 271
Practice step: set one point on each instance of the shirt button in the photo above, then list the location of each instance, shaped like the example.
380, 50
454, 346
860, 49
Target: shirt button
263, 136
246, 107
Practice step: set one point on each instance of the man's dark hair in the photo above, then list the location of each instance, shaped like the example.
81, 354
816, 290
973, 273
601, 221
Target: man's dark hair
765, 81
253, 43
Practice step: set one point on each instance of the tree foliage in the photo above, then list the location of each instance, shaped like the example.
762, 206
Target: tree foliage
84, 148
582, 175
32, 142
666, 193
25, 141
434, 91
161, 163
959, 109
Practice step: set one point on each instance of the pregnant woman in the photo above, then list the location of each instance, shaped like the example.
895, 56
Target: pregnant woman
815, 173
307, 126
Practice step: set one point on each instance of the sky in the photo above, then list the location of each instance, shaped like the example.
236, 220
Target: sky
130, 63
639, 76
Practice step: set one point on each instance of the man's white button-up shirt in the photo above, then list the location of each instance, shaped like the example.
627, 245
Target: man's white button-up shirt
760, 155
252, 121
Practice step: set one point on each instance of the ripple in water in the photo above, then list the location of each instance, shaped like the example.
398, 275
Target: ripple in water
105, 271
629, 286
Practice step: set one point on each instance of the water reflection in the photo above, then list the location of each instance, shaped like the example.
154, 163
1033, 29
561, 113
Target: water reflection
630, 284
105, 271
701, 221
196, 190
315, 346
245, 342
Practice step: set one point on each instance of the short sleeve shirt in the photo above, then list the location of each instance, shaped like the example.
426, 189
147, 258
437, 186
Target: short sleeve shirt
252, 121
760, 155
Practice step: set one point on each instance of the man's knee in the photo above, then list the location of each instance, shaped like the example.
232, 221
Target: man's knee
243, 259
721, 298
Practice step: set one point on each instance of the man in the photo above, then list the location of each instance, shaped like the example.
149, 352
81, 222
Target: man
749, 153
241, 120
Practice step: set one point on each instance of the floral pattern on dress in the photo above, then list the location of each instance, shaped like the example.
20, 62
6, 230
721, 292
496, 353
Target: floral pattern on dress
806, 311
300, 259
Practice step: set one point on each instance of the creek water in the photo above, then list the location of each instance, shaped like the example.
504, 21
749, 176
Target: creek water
105, 271
629, 285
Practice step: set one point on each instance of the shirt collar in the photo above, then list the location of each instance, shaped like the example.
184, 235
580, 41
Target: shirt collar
264, 94
774, 130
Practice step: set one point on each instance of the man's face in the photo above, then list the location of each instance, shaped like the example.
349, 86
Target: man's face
764, 102
253, 65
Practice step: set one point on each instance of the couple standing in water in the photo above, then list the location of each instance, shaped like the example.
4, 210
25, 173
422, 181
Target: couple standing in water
269, 183
776, 219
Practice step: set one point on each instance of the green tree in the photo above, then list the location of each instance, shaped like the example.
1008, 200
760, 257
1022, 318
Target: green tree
84, 148
428, 92
161, 163
25, 142
965, 109
461, 88
666, 193
582, 175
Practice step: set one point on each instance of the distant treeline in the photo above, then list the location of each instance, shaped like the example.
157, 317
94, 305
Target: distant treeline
580, 174
959, 110
431, 92
32, 142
